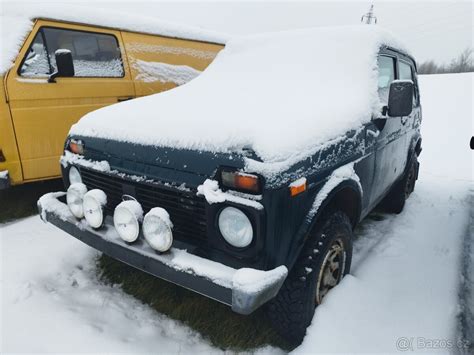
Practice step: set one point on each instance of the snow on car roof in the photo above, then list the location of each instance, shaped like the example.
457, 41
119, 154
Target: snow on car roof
282, 94
16, 22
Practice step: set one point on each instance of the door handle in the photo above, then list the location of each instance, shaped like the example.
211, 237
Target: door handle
404, 120
121, 99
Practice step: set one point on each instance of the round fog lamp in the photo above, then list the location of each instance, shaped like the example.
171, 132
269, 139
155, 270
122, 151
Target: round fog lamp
235, 227
157, 229
93, 206
126, 217
74, 198
74, 176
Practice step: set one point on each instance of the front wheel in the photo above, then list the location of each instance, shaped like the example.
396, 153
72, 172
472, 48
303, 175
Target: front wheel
323, 262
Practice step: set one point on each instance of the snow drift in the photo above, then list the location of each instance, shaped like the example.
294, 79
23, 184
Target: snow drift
280, 94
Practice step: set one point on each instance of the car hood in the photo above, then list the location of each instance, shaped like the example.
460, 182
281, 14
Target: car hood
161, 163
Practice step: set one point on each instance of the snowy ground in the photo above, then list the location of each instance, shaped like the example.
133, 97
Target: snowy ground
404, 282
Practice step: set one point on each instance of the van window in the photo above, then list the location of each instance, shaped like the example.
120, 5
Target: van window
36, 63
93, 54
407, 73
385, 77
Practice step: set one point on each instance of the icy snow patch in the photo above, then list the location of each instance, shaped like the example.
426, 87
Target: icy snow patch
74, 159
213, 194
98, 195
164, 73
254, 281
50, 203
299, 182
3, 174
162, 214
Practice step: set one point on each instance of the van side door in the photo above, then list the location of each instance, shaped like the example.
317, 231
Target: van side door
42, 111
390, 146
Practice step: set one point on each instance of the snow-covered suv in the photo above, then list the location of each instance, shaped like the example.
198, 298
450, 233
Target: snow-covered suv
245, 184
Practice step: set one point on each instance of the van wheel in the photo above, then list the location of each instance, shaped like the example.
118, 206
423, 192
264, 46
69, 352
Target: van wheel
394, 202
323, 262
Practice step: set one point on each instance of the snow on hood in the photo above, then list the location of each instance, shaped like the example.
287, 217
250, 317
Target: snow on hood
17, 21
282, 94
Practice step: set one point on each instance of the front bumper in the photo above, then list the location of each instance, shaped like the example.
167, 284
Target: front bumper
243, 289
4, 180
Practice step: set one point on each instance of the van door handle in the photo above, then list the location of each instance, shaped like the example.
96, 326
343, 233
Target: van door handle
121, 99
404, 120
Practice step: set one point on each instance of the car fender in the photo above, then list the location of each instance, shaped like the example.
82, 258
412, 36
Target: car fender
326, 199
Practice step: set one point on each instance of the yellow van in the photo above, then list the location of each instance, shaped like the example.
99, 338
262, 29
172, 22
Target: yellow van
40, 99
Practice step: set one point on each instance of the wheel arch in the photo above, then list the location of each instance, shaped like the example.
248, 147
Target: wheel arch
346, 196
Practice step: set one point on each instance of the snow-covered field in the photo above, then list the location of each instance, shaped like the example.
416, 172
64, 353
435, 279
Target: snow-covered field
403, 288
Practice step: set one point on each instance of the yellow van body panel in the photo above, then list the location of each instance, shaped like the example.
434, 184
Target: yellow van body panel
160, 63
8, 145
42, 113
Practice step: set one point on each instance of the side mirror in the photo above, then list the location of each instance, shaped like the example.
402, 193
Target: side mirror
400, 98
64, 64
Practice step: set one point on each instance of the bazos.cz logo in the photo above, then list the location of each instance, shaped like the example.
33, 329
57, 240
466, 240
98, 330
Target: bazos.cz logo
421, 343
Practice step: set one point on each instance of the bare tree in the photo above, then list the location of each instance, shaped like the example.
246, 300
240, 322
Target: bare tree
461, 64
429, 67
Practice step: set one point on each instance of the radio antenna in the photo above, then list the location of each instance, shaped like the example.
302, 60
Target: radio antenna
369, 17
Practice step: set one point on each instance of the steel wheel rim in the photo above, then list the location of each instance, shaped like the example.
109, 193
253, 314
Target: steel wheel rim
332, 270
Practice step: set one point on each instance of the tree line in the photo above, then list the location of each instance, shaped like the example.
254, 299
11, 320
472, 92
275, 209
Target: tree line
463, 63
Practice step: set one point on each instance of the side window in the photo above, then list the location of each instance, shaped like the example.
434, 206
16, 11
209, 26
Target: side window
385, 77
93, 54
407, 73
36, 64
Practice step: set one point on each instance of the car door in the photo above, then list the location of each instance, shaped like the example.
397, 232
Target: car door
42, 111
390, 145
407, 71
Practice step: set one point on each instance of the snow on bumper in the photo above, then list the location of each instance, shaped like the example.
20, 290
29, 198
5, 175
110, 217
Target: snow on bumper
243, 289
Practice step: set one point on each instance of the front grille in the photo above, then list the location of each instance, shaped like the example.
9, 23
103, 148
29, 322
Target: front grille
186, 210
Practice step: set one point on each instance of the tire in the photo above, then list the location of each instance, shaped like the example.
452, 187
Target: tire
394, 202
292, 310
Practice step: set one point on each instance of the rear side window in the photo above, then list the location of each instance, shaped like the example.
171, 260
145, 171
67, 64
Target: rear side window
36, 63
407, 73
93, 54
386, 75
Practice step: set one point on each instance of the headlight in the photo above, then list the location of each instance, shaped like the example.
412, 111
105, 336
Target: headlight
93, 205
126, 217
74, 176
157, 229
235, 227
74, 199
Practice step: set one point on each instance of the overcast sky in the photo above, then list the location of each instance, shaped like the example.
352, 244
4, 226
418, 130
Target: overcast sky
431, 30
438, 30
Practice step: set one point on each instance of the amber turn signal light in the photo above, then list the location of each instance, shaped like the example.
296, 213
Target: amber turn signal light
241, 181
297, 187
76, 147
